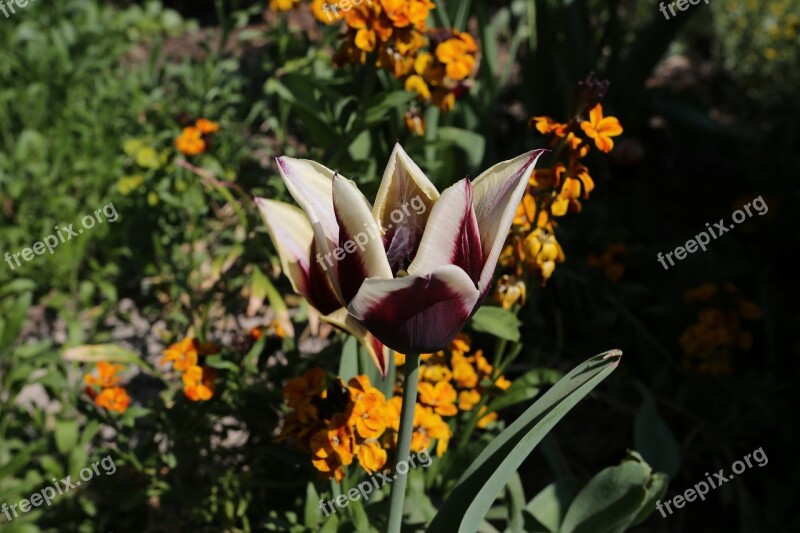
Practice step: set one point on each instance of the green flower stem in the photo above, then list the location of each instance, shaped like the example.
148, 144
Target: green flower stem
404, 440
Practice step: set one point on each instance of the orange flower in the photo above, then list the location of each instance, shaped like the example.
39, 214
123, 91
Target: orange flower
441, 397
113, 399
485, 419
547, 125
468, 399
206, 126
106, 375
371, 456
182, 354
199, 383
368, 411
428, 425
464, 375
190, 141
299, 392
601, 129
458, 55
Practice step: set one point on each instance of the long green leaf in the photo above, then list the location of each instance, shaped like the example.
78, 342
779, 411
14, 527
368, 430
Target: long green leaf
484, 479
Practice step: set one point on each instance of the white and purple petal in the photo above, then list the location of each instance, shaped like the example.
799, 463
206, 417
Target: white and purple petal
360, 254
497, 193
416, 313
452, 235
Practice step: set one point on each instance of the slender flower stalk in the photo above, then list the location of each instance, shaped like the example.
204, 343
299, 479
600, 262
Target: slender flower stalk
404, 440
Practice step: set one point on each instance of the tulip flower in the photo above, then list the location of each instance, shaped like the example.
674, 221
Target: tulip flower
410, 277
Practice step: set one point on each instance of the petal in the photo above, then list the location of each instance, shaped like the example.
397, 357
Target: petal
376, 350
404, 201
596, 115
610, 126
451, 236
311, 185
497, 193
419, 314
361, 253
291, 233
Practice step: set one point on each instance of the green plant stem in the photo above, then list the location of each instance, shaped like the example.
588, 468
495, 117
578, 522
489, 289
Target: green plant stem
404, 440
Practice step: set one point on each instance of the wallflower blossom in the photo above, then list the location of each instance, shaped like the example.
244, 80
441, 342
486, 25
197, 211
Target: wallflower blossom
106, 375
601, 129
113, 399
198, 383
111, 396
441, 397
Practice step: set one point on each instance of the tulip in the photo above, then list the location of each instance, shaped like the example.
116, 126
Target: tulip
410, 277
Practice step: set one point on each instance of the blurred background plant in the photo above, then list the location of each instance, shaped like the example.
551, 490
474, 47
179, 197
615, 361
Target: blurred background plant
171, 111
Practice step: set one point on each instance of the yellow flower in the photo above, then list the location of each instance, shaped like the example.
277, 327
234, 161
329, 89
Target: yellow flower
467, 399
113, 399
415, 84
543, 251
441, 397
190, 141
601, 129
282, 5
510, 291
460, 344
322, 12
435, 373
371, 456
486, 419
502, 383
464, 375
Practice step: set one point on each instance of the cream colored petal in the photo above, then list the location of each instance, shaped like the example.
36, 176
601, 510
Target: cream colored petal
361, 247
496, 194
403, 181
292, 236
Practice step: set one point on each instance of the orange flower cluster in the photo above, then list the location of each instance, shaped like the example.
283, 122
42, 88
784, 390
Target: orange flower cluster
193, 140
186, 357
555, 190
710, 344
337, 423
111, 396
452, 381
395, 31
